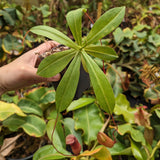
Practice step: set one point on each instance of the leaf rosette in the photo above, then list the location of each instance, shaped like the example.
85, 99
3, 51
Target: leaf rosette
81, 51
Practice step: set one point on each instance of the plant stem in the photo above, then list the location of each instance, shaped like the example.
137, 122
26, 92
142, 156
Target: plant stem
154, 149
52, 139
105, 124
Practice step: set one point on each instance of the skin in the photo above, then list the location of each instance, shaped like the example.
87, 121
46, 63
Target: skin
22, 71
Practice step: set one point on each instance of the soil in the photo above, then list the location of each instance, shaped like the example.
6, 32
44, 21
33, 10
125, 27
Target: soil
27, 146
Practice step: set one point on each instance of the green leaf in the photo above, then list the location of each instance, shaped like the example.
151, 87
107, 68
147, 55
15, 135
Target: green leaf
67, 87
135, 133
81, 102
55, 63
54, 34
8, 109
138, 151
52, 113
140, 27
45, 10
10, 98
11, 45
14, 122
74, 20
118, 35
128, 33
47, 153
105, 24
48, 97
36, 94
122, 107
120, 149
114, 79
101, 86
58, 138
29, 106
7, 17
102, 52
89, 120
157, 111
34, 126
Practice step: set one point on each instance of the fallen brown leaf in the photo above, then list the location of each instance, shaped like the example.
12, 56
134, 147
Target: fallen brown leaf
8, 145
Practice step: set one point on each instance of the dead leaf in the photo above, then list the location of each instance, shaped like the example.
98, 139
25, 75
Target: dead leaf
8, 145
142, 117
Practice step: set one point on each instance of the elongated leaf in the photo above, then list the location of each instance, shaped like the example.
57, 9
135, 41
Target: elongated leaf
34, 126
8, 109
14, 122
81, 102
105, 24
35, 94
138, 152
55, 63
29, 106
54, 34
74, 20
101, 86
7, 17
48, 97
102, 52
89, 120
68, 85
157, 111
47, 153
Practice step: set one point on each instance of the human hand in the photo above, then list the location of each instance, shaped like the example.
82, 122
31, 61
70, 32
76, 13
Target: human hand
22, 71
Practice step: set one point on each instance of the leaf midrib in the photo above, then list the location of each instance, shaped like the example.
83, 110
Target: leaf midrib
31, 126
68, 83
95, 35
102, 53
53, 62
92, 68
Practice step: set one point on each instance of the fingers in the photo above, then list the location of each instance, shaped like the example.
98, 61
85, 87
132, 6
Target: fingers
31, 56
46, 46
